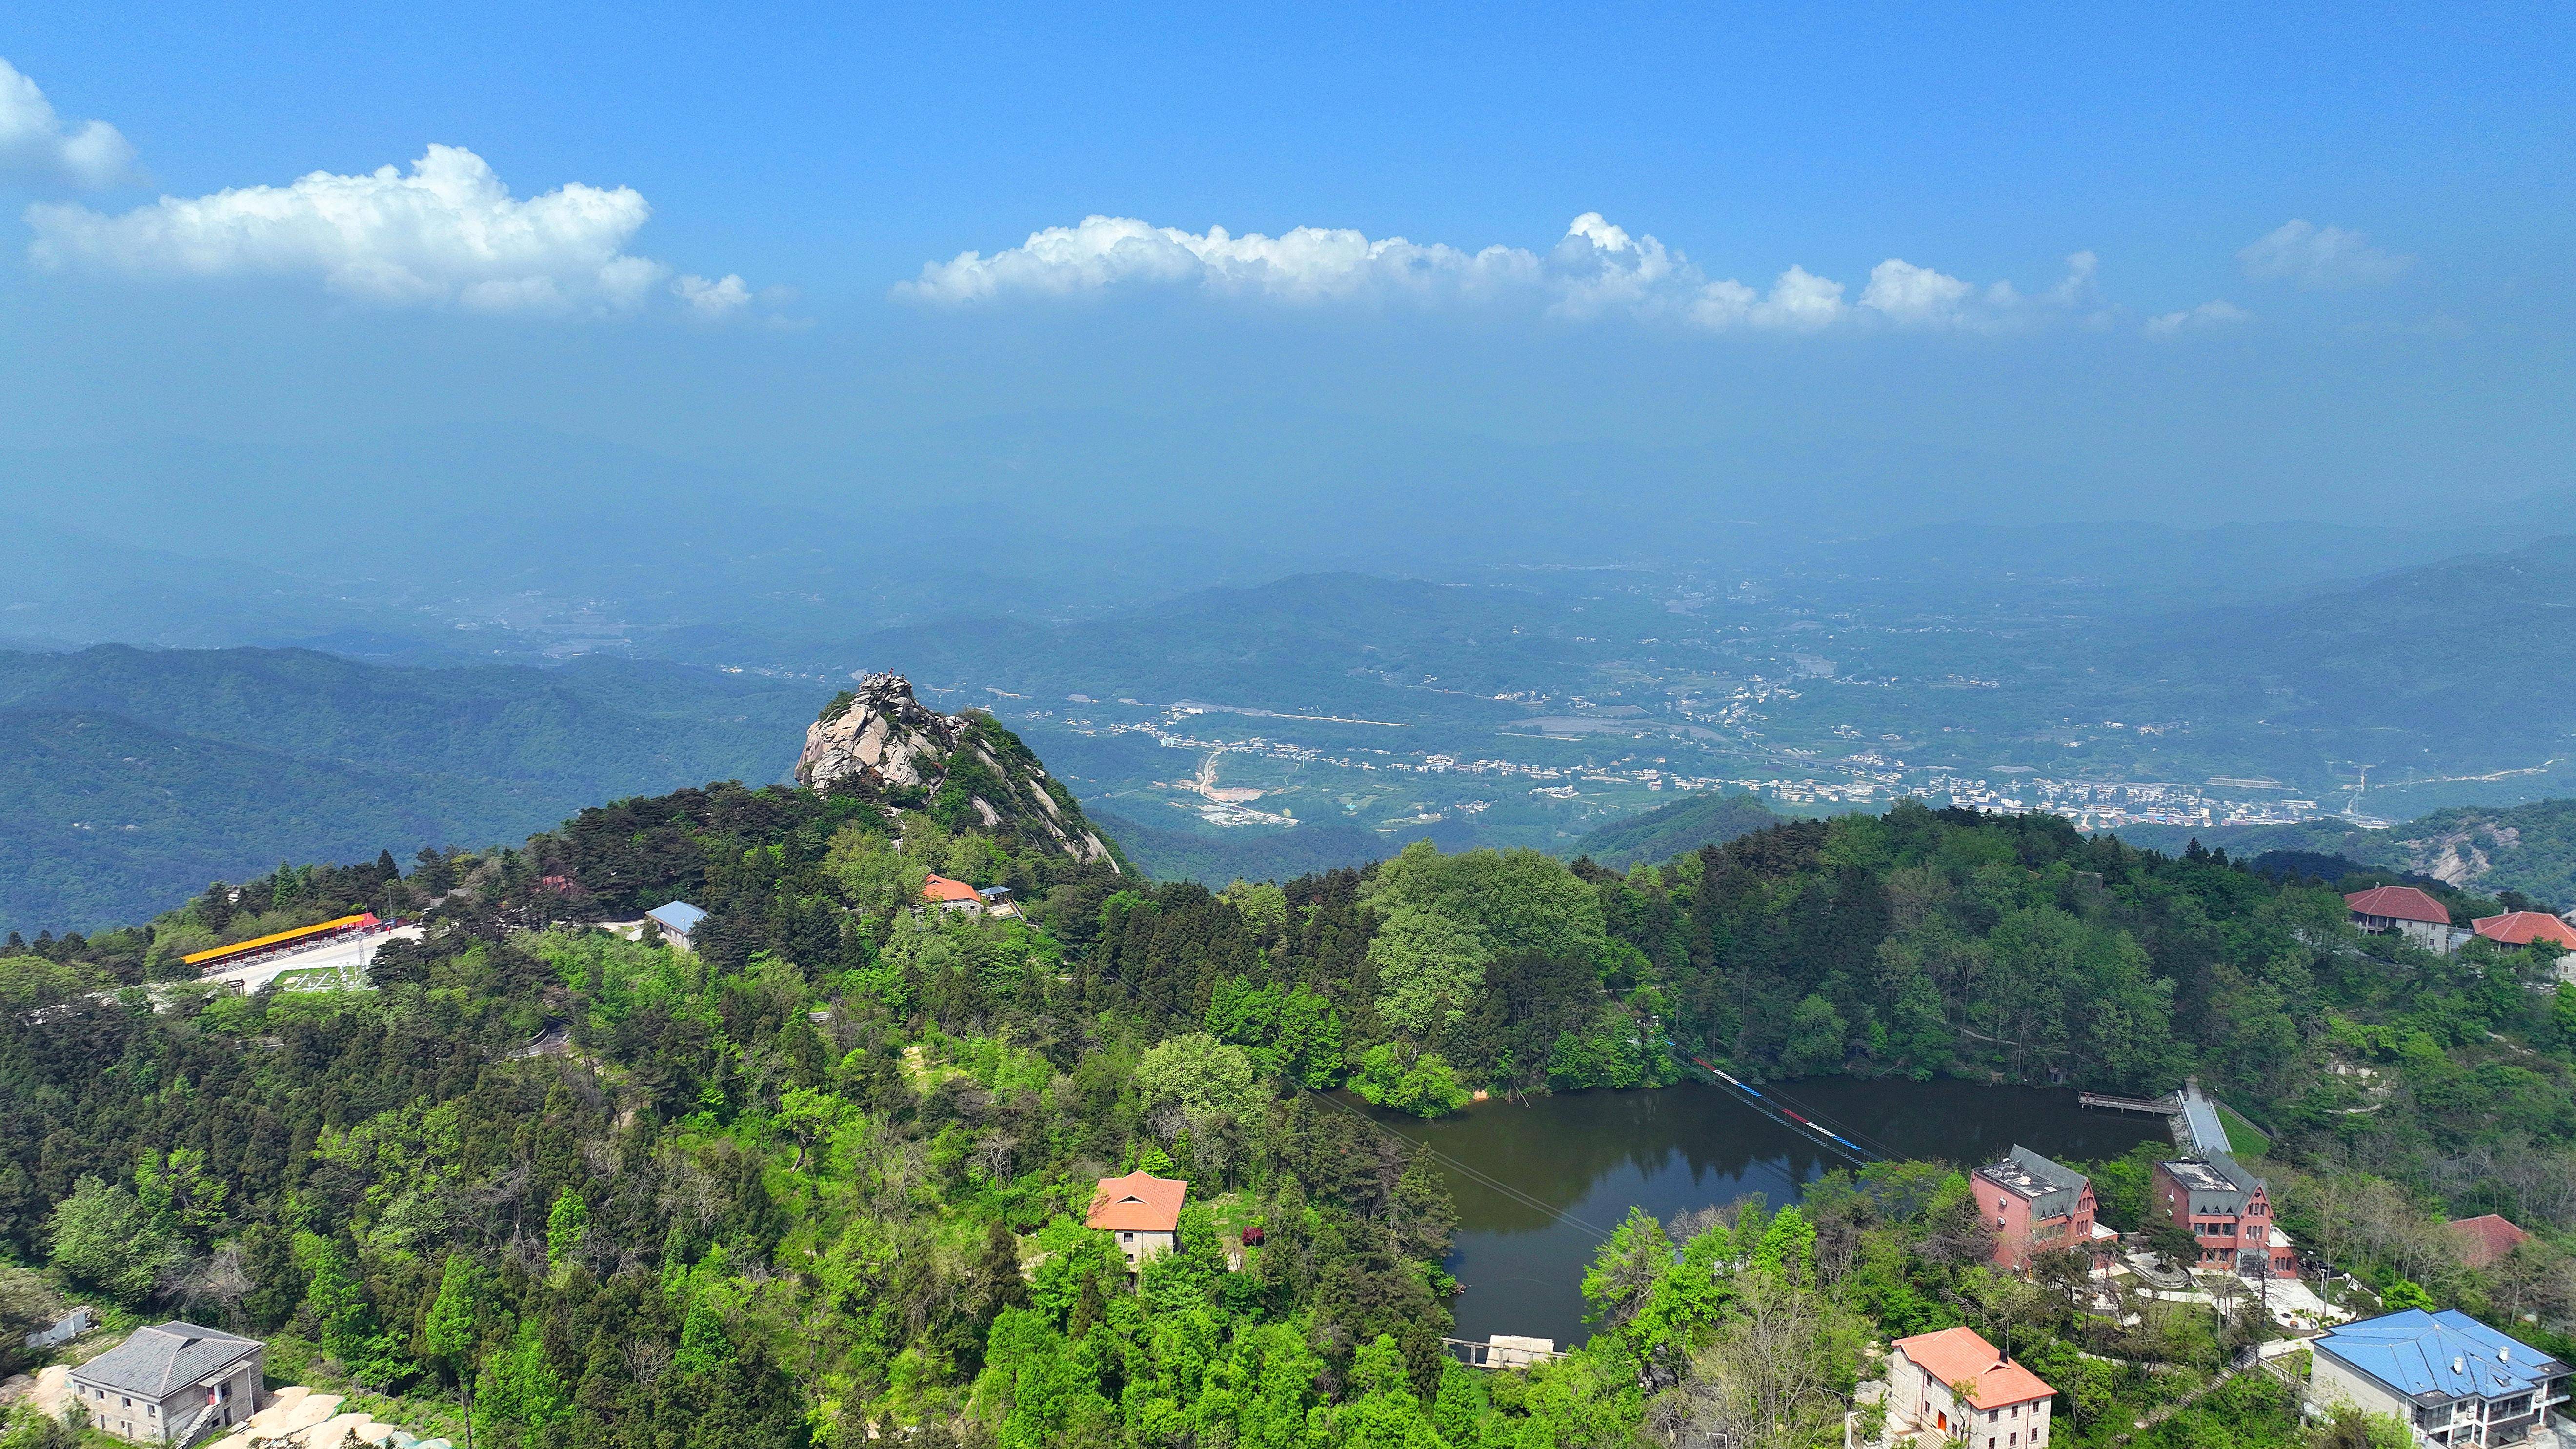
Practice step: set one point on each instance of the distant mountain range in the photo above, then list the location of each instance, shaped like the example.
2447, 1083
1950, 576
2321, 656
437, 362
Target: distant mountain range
128, 775
129, 778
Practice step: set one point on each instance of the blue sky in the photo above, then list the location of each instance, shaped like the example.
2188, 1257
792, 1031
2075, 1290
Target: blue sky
2326, 247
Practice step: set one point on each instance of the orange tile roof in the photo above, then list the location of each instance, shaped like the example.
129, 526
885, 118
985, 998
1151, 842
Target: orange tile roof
941, 888
2521, 928
2398, 903
2486, 1238
1137, 1203
1960, 1356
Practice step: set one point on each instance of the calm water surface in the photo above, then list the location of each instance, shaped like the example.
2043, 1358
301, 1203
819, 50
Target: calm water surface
1593, 1155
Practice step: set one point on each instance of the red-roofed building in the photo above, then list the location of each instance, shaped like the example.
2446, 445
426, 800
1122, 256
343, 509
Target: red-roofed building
2407, 911
952, 895
2524, 928
1954, 1384
1143, 1210
2484, 1240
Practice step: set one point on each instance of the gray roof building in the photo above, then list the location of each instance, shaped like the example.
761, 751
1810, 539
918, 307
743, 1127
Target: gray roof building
170, 1382
2052, 1189
2217, 1184
164, 1357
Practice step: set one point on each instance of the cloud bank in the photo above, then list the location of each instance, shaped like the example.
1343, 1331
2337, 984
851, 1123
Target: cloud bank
2320, 258
37, 145
1596, 270
2203, 318
449, 233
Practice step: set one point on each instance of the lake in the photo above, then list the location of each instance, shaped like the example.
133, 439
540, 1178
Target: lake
1592, 1155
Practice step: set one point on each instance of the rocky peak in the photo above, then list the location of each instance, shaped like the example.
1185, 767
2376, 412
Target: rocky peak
966, 770
878, 737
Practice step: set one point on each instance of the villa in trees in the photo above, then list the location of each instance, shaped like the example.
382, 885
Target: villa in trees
677, 919
952, 895
1953, 1384
2037, 1206
2228, 1211
1142, 1210
2452, 1379
2485, 1240
171, 1382
2526, 928
2407, 911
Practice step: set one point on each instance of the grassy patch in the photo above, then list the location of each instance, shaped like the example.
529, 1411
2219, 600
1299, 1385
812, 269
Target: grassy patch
2244, 1137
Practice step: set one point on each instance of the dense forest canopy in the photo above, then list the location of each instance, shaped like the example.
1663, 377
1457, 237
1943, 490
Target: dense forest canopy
822, 1176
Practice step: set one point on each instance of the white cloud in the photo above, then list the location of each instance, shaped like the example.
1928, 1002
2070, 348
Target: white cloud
2320, 257
712, 301
2215, 314
448, 233
36, 144
1595, 270
1306, 264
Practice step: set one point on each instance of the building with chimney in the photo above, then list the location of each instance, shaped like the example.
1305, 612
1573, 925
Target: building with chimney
2526, 928
2228, 1211
2452, 1379
2037, 1206
1953, 1384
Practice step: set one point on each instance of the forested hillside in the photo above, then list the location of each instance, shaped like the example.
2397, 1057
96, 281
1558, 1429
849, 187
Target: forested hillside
1676, 829
821, 1179
2530, 848
130, 777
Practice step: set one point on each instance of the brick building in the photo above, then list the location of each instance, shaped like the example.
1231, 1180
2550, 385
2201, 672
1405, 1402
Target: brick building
2037, 1206
2227, 1210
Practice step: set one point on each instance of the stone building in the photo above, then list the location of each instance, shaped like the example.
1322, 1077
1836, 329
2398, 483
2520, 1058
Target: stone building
170, 1383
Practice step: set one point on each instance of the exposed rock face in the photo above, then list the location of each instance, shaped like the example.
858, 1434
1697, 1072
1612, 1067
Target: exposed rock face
879, 736
966, 769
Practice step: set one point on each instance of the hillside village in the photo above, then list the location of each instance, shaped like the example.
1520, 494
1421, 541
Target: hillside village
941, 836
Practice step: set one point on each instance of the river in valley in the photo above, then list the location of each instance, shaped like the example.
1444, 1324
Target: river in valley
1590, 1156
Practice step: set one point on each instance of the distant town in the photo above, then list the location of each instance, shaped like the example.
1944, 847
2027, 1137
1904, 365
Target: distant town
1235, 768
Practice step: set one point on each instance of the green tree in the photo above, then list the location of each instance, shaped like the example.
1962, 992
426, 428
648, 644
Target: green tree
452, 1329
705, 1346
519, 1388
1384, 1412
566, 1223
1427, 965
1816, 1036
1209, 1080
2406, 1293
1424, 1085
104, 1237
350, 1330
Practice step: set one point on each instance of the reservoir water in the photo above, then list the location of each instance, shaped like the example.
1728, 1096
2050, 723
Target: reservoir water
1592, 1155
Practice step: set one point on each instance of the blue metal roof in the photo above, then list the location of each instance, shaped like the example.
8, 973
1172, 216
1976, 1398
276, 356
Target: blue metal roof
677, 916
2447, 1355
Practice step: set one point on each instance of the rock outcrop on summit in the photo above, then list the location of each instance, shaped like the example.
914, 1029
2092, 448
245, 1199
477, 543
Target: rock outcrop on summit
877, 736
965, 770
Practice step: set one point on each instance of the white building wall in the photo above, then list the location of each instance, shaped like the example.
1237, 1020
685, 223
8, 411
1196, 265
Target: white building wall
2332, 1383
2015, 1426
